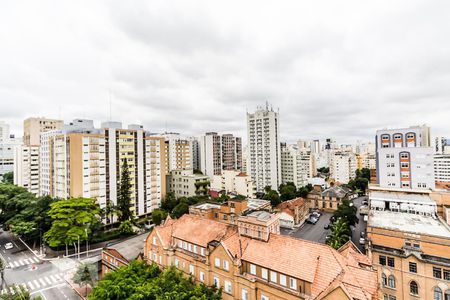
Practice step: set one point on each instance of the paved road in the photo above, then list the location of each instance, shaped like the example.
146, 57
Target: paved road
40, 278
317, 233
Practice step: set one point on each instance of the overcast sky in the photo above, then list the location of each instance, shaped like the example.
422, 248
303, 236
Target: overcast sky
333, 68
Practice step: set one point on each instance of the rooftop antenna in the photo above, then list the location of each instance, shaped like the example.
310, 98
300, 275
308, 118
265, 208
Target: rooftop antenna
267, 105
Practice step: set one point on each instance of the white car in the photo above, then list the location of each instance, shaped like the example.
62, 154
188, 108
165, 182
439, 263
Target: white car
9, 246
362, 241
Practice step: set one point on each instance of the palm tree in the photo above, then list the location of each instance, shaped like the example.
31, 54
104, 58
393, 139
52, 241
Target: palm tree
110, 211
340, 234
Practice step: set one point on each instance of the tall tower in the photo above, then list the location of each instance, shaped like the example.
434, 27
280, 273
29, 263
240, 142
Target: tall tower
264, 155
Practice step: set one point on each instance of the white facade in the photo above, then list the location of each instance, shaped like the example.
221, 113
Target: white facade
442, 167
154, 174
26, 168
4, 131
442, 145
234, 182
297, 165
264, 154
7, 148
405, 158
342, 166
184, 183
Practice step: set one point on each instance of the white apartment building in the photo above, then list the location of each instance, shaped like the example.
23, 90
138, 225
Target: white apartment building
7, 148
264, 154
155, 172
442, 167
442, 145
234, 182
405, 158
4, 131
26, 167
178, 152
297, 165
219, 152
342, 166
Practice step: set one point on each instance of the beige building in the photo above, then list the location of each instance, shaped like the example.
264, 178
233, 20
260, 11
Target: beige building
249, 261
330, 198
184, 183
34, 127
293, 212
234, 182
178, 151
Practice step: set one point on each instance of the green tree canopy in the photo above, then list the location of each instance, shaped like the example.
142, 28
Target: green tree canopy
273, 197
124, 195
70, 219
158, 215
347, 212
142, 281
340, 234
126, 227
86, 274
287, 191
8, 178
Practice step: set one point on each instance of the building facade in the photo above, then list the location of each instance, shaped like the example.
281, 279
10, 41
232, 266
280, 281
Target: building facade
184, 183
250, 261
34, 127
405, 158
264, 154
178, 152
442, 168
297, 165
342, 166
234, 182
26, 168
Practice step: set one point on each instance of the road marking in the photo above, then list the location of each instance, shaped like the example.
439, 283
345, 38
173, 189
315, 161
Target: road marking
48, 288
30, 284
57, 276
36, 283
21, 262
26, 261
16, 263
54, 279
35, 259
48, 280
42, 281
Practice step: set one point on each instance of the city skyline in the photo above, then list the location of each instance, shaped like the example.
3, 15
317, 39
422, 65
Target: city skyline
199, 67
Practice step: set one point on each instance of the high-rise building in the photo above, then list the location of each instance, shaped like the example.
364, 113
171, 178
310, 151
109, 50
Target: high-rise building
442, 145
220, 152
297, 165
264, 155
8, 144
4, 131
26, 167
342, 166
178, 152
442, 168
195, 152
405, 158
34, 127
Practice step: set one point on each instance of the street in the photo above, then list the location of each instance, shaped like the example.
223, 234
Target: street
40, 278
317, 233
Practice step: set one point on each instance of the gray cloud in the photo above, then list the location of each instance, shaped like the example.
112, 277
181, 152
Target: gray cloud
333, 69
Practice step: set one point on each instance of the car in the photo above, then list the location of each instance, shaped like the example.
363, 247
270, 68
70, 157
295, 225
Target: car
362, 241
9, 246
332, 219
316, 214
366, 218
311, 220
362, 234
365, 202
327, 226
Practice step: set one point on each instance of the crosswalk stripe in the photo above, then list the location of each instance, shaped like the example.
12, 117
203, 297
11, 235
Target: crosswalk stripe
16, 263
36, 283
42, 281
30, 284
57, 276
36, 259
26, 261
21, 262
54, 279
48, 280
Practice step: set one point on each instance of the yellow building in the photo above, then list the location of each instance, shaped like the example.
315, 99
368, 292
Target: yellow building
248, 265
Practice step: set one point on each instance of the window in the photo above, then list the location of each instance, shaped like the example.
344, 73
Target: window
447, 294
391, 262
437, 293
391, 281
190, 247
177, 262
437, 272
227, 286
273, 276
382, 260
217, 262
202, 276
413, 288
293, 283
447, 275
244, 294
383, 279
154, 257
264, 273
283, 280
252, 269
226, 265
154, 240
184, 245
404, 155
195, 249
413, 267
202, 251
263, 297
191, 269
216, 282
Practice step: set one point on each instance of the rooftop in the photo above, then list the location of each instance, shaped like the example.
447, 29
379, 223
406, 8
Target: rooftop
206, 206
405, 197
257, 203
130, 248
406, 222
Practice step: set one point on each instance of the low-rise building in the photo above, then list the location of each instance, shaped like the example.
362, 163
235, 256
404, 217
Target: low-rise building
184, 183
442, 168
330, 198
234, 182
293, 212
249, 261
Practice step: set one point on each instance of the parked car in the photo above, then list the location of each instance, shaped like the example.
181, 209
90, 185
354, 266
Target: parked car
9, 246
366, 218
362, 241
365, 202
332, 219
327, 226
362, 234
316, 214
364, 210
311, 220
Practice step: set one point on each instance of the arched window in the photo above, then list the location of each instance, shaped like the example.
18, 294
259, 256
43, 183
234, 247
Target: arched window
391, 281
413, 288
447, 295
384, 279
437, 293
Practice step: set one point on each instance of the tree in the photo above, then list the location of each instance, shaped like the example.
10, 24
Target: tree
71, 218
179, 210
273, 197
124, 196
347, 212
169, 202
340, 234
359, 184
142, 281
304, 190
324, 170
126, 227
85, 275
20, 293
158, 215
110, 211
287, 191
2, 270
8, 178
